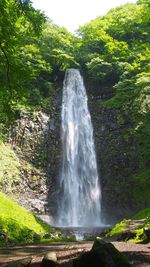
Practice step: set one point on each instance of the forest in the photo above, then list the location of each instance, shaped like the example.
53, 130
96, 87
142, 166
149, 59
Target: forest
112, 53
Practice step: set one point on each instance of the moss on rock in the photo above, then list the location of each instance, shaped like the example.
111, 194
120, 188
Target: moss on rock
9, 166
134, 229
17, 225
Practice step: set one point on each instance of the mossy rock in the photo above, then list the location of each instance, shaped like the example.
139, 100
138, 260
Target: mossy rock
9, 166
132, 229
20, 263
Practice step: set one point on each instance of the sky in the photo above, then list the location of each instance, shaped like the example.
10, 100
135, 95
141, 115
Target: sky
72, 14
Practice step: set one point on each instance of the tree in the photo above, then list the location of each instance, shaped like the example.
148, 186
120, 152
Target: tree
19, 23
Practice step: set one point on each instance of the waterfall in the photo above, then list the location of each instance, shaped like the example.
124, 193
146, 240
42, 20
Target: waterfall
79, 204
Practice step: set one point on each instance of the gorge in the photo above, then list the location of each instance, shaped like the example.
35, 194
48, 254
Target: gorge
112, 54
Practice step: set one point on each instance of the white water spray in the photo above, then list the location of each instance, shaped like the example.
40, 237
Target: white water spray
79, 183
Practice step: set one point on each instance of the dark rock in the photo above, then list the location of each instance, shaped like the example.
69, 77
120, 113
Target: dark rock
20, 263
4, 236
117, 160
49, 260
68, 264
126, 235
102, 254
47, 235
147, 234
36, 237
88, 259
36, 139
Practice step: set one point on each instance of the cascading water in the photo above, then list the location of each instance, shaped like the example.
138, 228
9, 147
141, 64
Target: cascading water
79, 183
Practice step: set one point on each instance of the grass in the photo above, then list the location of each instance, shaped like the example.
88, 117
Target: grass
17, 225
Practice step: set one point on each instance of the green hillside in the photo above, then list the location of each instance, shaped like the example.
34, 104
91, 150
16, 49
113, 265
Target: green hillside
17, 225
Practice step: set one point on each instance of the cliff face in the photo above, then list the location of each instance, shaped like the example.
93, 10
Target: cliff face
117, 160
36, 140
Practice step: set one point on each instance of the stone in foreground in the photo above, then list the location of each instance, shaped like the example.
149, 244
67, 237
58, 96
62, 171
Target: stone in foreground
49, 260
102, 254
20, 263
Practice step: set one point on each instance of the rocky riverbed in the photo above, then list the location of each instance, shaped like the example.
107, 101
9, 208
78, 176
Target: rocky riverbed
138, 254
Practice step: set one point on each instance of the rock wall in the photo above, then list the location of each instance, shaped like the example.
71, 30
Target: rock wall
117, 160
35, 138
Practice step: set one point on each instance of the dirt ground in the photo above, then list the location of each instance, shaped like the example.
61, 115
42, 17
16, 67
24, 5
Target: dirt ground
138, 254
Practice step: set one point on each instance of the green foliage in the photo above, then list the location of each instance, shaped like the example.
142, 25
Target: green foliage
21, 233
19, 225
112, 50
34, 53
9, 166
113, 44
56, 47
140, 191
15, 70
142, 214
118, 228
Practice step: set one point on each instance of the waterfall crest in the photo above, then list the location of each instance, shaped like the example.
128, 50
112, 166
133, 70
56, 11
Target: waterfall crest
79, 183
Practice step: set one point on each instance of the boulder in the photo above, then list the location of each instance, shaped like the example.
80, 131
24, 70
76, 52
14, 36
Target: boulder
49, 260
20, 263
88, 259
68, 264
102, 254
